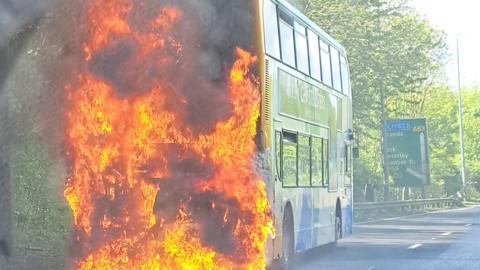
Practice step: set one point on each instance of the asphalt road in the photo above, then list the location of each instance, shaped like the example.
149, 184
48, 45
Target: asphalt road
442, 240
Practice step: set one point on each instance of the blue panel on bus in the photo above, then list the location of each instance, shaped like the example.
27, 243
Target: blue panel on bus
304, 236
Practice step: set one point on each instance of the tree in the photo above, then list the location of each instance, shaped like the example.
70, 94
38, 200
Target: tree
442, 112
471, 118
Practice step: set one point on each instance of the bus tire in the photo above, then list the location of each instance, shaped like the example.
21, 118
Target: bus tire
288, 239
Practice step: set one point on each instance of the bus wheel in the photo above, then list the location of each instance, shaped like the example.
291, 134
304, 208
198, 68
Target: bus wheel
288, 238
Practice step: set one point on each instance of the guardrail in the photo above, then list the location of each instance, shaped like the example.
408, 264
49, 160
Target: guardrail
366, 211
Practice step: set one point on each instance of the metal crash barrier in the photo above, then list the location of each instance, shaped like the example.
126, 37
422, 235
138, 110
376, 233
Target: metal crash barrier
375, 210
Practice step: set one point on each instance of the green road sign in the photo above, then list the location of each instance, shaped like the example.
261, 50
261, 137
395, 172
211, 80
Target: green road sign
407, 152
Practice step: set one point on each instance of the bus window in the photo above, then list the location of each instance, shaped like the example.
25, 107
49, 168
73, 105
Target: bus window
287, 40
345, 75
325, 163
337, 81
317, 162
278, 157
289, 162
301, 48
272, 42
314, 55
304, 161
326, 68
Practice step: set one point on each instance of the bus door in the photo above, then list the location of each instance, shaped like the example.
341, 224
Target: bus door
276, 201
293, 165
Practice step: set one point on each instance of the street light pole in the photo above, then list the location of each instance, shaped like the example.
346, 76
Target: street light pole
460, 116
383, 145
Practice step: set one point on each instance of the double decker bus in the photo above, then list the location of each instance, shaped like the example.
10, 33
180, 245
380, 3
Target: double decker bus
306, 128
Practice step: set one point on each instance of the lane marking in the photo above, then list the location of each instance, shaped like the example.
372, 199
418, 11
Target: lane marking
434, 238
414, 246
371, 268
468, 225
446, 233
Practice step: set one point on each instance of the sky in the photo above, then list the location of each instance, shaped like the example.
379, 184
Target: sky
457, 18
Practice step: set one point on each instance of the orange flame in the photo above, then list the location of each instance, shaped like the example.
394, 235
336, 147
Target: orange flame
112, 137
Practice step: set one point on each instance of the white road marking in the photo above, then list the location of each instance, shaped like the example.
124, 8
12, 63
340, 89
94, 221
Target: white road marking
434, 238
446, 233
371, 268
468, 225
414, 246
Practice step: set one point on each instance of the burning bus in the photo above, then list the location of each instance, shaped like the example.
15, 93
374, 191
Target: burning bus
206, 134
307, 126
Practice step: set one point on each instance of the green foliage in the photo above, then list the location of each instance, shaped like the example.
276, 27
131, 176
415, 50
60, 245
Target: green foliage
471, 123
41, 220
41, 217
442, 111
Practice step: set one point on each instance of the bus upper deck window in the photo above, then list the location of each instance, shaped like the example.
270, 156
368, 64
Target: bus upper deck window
326, 68
287, 40
314, 55
337, 83
272, 41
345, 75
301, 48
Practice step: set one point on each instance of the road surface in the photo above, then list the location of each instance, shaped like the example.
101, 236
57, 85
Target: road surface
442, 240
